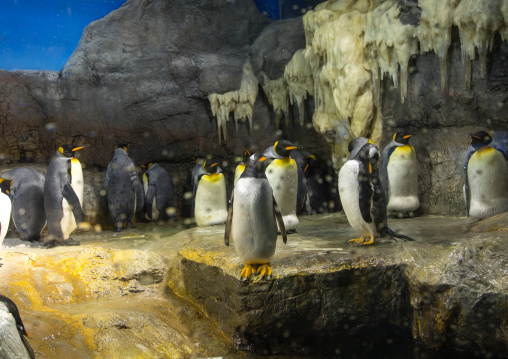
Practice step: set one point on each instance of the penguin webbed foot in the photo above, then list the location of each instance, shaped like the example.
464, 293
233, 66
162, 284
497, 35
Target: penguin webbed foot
247, 271
71, 242
290, 231
265, 270
357, 240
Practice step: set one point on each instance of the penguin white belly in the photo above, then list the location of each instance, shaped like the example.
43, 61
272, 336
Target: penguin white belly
349, 192
5, 215
253, 227
68, 222
403, 180
283, 177
487, 174
11, 345
210, 203
155, 211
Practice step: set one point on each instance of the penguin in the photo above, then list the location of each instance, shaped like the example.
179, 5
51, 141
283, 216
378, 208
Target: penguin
304, 160
356, 144
362, 196
241, 166
159, 193
63, 196
399, 175
252, 219
486, 176
197, 172
282, 173
210, 200
122, 192
13, 343
27, 195
5, 207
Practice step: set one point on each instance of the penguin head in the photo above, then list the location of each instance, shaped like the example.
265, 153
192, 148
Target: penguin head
210, 167
283, 148
146, 166
124, 146
68, 150
255, 166
369, 155
480, 138
357, 143
13, 309
5, 186
246, 155
303, 158
401, 137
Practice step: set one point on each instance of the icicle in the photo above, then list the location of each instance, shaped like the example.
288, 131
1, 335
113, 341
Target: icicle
443, 70
467, 70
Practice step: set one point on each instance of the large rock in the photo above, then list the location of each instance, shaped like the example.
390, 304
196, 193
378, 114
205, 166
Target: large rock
446, 289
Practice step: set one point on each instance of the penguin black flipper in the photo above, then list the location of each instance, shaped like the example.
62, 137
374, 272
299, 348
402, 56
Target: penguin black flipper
27, 346
227, 233
397, 235
280, 221
467, 192
366, 192
71, 197
383, 167
150, 194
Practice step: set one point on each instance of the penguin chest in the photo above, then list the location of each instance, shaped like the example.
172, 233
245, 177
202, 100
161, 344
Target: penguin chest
253, 226
68, 222
155, 211
238, 172
283, 177
5, 215
210, 202
349, 192
402, 172
487, 173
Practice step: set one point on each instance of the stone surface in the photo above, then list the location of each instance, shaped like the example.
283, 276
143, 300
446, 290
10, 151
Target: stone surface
437, 288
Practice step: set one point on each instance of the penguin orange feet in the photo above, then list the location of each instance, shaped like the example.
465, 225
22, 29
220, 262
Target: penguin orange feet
357, 240
265, 269
247, 271
369, 242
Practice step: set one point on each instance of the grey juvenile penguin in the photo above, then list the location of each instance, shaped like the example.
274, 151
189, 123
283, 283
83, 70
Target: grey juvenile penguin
159, 193
122, 193
27, 195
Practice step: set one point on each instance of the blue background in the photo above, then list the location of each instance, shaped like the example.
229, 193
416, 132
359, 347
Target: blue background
43, 34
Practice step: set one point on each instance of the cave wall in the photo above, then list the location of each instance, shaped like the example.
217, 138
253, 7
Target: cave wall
143, 75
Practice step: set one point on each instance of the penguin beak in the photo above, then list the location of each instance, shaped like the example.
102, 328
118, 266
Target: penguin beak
407, 136
292, 147
215, 164
306, 168
262, 159
77, 148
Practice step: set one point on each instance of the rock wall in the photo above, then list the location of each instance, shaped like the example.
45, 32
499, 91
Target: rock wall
144, 73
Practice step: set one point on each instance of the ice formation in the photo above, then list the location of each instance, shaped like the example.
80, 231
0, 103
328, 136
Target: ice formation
240, 102
351, 45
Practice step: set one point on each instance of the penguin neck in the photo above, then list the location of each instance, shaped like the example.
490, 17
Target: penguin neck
251, 172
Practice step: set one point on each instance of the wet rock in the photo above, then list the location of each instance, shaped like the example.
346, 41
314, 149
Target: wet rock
437, 288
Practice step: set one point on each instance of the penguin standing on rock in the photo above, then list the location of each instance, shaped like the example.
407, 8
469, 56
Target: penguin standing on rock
13, 343
122, 192
210, 206
27, 195
252, 219
486, 177
362, 196
5, 207
282, 173
159, 193
63, 196
399, 175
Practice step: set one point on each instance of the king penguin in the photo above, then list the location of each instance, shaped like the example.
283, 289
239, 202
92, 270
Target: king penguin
5, 207
210, 206
282, 173
122, 191
399, 175
63, 196
27, 195
304, 161
252, 220
13, 343
362, 196
486, 176
159, 193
